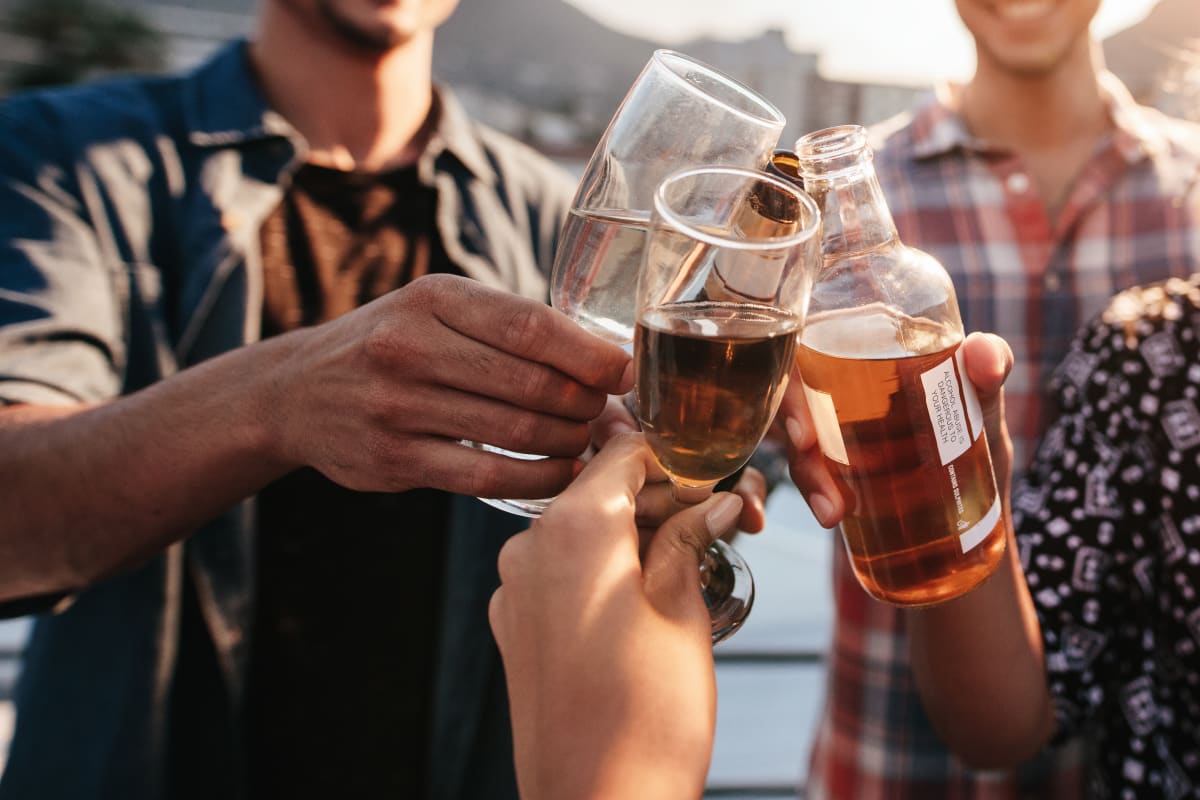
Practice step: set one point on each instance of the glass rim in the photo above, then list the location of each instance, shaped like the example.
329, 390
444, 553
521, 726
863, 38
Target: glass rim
664, 211
772, 116
830, 152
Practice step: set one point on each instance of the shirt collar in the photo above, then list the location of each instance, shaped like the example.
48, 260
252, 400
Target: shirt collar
225, 106
455, 134
938, 128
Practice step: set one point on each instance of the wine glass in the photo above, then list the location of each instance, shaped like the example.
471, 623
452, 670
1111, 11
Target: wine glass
679, 112
727, 271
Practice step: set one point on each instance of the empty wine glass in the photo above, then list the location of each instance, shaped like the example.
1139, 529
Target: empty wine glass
726, 275
679, 112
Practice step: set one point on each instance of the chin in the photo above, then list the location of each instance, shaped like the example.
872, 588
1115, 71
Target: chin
1027, 59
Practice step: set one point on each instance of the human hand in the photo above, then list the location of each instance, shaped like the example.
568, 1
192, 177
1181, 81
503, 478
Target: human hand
656, 502
379, 399
608, 656
988, 360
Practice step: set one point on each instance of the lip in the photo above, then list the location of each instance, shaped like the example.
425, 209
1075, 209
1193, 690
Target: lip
1023, 11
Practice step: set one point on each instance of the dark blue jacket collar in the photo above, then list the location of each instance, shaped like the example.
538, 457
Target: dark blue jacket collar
224, 106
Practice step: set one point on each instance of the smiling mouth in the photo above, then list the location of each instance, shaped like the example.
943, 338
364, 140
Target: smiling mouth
1023, 10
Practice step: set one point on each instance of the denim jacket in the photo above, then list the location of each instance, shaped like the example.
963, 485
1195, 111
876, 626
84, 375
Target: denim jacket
129, 221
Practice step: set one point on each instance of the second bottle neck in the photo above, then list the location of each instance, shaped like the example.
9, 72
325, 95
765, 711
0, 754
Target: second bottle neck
854, 215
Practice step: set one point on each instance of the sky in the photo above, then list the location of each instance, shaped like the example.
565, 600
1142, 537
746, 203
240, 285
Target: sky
868, 40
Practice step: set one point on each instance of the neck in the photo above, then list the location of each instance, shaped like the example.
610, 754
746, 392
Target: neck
356, 110
1037, 112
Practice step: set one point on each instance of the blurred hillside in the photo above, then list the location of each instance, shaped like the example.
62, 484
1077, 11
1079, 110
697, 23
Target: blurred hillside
520, 55
548, 73
567, 73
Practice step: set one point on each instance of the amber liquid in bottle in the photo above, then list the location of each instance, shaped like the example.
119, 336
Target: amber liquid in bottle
923, 521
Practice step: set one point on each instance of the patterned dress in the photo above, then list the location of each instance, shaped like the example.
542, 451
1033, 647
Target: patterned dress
1108, 524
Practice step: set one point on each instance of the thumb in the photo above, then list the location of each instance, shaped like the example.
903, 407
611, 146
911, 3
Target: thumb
615, 419
989, 360
671, 569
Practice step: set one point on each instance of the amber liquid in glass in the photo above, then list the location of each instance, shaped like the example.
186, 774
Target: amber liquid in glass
918, 531
710, 376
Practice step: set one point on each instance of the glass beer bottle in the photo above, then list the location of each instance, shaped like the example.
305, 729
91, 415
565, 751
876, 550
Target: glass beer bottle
897, 419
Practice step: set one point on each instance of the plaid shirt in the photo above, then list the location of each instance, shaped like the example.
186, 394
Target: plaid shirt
1132, 216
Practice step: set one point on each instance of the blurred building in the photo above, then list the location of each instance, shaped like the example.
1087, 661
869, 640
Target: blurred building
792, 81
1159, 58
549, 74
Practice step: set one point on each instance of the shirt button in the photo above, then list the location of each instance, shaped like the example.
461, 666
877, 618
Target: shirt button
1053, 281
1017, 183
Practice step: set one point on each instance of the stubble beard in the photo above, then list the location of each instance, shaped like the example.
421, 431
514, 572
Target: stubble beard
375, 40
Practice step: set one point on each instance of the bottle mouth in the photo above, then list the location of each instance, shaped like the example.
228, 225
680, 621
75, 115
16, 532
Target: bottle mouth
830, 150
786, 163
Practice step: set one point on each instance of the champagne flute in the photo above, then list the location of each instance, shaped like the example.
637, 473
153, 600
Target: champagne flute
726, 275
679, 112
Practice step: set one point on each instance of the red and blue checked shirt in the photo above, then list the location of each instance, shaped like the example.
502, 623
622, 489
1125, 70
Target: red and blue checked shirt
1132, 216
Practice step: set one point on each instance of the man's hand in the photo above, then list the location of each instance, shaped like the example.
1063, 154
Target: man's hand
379, 399
608, 656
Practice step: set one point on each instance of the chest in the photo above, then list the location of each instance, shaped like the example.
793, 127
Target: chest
986, 222
339, 240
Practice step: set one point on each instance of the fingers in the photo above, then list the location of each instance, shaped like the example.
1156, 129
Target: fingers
577, 532
752, 488
437, 411
528, 330
988, 359
454, 467
671, 569
614, 420
475, 367
655, 504
806, 464
605, 492
497, 611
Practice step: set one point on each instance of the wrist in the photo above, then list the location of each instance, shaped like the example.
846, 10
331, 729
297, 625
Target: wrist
273, 389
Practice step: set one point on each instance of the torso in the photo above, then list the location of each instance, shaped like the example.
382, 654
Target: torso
349, 583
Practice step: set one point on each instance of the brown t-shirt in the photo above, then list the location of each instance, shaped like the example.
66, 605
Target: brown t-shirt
349, 583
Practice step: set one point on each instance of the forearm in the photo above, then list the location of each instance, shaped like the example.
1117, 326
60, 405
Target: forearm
642, 772
978, 665
88, 490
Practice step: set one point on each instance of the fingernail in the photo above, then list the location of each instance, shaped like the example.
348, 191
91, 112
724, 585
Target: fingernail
795, 430
821, 507
721, 518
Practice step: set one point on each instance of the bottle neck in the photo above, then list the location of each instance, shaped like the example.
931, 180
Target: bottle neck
854, 215
838, 174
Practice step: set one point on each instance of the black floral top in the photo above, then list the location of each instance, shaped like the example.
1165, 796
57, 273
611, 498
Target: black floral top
1108, 525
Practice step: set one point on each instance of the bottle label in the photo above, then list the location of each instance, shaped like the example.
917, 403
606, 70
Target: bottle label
953, 407
957, 421
980, 530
